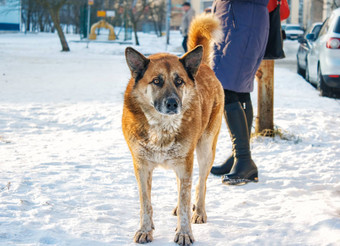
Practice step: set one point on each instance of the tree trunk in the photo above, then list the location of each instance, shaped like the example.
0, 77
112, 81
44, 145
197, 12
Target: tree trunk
135, 16
134, 21
160, 28
155, 23
135, 32
55, 18
40, 21
28, 20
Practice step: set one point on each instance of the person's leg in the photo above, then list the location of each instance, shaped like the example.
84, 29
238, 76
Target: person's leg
232, 97
247, 106
244, 169
184, 44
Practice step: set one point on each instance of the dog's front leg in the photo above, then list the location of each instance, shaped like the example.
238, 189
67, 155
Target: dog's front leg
184, 234
144, 179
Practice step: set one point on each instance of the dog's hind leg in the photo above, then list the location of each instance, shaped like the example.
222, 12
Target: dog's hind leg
205, 151
144, 180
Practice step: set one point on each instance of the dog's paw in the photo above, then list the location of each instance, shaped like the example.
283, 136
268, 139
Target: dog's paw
142, 236
184, 239
199, 218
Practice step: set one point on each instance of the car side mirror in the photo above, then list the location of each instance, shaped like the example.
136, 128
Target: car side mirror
302, 40
310, 37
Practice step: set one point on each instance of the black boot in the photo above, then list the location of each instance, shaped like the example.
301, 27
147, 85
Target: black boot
224, 168
228, 164
248, 110
244, 169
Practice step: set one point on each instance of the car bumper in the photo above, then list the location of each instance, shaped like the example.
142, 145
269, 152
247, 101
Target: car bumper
293, 36
332, 81
330, 61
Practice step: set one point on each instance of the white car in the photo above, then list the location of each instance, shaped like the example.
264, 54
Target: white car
293, 32
305, 47
323, 60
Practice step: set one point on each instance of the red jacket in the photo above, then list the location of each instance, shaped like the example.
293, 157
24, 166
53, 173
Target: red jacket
284, 9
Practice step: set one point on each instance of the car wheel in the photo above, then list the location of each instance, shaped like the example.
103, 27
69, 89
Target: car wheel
322, 87
300, 70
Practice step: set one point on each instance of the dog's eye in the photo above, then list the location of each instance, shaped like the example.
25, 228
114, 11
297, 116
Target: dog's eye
156, 81
179, 81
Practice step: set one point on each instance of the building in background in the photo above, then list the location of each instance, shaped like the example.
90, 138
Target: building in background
312, 12
201, 5
317, 10
303, 12
306, 12
10, 15
176, 14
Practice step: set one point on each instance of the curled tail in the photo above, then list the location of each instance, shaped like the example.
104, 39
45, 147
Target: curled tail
204, 30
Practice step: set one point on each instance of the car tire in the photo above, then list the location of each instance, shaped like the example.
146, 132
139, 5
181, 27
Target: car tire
322, 87
300, 70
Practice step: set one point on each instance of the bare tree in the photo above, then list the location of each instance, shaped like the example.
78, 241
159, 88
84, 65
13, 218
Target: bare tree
30, 9
157, 14
136, 9
53, 7
43, 20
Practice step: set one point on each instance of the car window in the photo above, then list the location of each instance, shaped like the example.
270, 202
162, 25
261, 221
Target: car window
293, 28
337, 26
316, 30
324, 27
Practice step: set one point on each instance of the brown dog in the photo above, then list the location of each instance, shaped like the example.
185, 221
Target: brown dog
173, 106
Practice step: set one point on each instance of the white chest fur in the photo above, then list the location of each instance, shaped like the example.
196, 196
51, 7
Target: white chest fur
162, 142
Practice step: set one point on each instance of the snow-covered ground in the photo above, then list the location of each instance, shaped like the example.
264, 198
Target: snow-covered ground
66, 174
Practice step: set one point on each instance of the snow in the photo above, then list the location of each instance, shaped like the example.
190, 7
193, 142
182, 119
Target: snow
66, 174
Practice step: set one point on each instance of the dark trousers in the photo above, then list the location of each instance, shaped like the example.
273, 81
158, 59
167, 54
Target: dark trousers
232, 97
184, 43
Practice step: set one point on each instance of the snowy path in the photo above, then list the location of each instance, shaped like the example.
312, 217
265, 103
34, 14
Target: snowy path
66, 176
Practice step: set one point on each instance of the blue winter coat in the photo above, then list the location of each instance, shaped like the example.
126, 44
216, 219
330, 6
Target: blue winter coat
238, 55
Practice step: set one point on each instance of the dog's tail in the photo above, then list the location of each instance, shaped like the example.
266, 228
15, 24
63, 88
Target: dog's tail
205, 29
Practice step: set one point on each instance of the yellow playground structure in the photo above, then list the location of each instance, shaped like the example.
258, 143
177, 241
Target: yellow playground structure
102, 24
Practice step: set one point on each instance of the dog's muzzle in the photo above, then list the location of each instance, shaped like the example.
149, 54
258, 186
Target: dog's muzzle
169, 106
172, 105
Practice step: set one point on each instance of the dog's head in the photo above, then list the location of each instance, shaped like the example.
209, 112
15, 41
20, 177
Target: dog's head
164, 81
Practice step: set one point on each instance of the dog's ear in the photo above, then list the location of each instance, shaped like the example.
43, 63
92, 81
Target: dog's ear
192, 60
136, 62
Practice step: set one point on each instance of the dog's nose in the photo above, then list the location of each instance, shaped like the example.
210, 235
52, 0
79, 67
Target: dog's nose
172, 104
